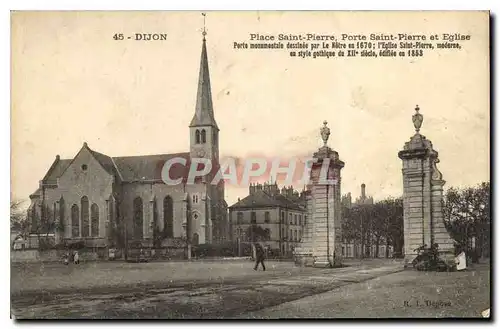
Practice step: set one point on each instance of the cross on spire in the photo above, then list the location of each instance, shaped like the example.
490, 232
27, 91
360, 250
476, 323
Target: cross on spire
204, 33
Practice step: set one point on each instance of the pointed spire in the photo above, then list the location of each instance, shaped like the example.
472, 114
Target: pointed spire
204, 113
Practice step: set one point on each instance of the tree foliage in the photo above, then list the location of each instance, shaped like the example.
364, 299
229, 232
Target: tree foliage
373, 224
257, 233
467, 214
18, 218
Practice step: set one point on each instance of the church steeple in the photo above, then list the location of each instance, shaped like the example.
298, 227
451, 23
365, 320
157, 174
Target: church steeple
204, 113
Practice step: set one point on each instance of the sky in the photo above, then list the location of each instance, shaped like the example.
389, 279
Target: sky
73, 83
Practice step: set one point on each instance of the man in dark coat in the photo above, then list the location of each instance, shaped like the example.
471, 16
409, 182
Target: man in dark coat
260, 255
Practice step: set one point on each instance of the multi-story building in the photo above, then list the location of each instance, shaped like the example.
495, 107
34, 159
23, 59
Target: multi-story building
274, 217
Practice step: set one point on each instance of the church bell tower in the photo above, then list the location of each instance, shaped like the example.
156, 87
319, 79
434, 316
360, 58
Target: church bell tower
204, 132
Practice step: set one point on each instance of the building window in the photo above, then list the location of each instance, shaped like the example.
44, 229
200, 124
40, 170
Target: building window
283, 233
197, 137
94, 220
85, 216
239, 217
75, 221
62, 220
282, 217
268, 233
295, 219
305, 220
168, 217
291, 235
295, 236
253, 217
203, 136
267, 217
290, 219
195, 198
138, 219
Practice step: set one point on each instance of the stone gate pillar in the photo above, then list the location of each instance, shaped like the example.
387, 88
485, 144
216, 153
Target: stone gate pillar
322, 243
423, 196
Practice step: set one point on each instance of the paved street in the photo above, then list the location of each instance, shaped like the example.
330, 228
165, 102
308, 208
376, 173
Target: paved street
221, 290
402, 294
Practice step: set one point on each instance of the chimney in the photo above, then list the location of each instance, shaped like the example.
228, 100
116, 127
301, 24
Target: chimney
363, 194
251, 189
273, 189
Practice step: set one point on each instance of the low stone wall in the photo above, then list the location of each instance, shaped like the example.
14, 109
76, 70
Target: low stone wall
47, 256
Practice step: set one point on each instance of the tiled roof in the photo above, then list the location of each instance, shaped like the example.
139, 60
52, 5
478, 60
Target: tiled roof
261, 199
147, 167
129, 168
106, 162
56, 170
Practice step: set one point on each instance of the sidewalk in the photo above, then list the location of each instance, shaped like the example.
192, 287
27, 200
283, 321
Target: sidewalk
403, 294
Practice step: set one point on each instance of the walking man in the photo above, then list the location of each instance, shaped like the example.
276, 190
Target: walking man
76, 258
259, 256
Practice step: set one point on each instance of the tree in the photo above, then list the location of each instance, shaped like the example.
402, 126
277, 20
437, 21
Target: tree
467, 215
357, 226
393, 224
380, 214
43, 224
368, 224
257, 233
18, 218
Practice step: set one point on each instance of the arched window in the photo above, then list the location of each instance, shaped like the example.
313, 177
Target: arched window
168, 217
203, 136
94, 218
138, 218
85, 216
75, 221
62, 219
197, 136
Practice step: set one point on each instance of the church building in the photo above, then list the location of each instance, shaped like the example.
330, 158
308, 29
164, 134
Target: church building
112, 201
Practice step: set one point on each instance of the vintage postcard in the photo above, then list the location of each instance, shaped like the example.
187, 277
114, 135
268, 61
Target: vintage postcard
255, 165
